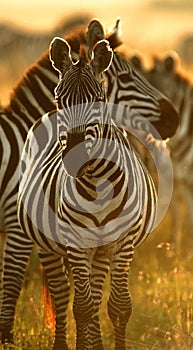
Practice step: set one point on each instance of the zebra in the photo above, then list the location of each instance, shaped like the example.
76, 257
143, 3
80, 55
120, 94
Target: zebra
32, 97
169, 78
64, 194
75, 232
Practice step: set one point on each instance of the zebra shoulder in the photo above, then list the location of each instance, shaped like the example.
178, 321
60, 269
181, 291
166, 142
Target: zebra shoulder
42, 133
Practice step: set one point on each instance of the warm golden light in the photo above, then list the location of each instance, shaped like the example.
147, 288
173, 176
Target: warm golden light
149, 26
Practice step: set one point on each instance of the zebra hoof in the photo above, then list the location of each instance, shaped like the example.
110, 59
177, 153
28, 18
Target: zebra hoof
6, 336
60, 345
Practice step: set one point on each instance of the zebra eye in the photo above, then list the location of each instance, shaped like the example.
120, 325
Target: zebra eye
63, 139
99, 98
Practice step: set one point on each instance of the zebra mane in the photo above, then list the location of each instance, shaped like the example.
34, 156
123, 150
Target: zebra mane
83, 57
27, 77
77, 37
77, 41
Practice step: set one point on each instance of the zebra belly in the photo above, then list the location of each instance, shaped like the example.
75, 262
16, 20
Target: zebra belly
56, 211
52, 221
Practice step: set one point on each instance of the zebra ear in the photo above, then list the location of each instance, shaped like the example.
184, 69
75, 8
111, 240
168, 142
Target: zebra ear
169, 63
101, 57
60, 54
172, 61
114, 37
95, 33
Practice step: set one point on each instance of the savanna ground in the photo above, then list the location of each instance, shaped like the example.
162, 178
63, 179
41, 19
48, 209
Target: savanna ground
161, 285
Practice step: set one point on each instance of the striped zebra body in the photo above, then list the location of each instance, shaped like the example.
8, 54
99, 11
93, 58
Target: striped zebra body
42, 151
84, 193
166, 76
32, 98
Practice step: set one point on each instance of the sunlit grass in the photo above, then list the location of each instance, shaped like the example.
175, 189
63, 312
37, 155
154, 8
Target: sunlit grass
161, 286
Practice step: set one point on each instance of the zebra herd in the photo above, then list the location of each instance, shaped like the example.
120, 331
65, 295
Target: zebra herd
85, 197
167, 75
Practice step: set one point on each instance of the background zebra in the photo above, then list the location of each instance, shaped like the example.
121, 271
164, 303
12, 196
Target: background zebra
32, 97
169, 78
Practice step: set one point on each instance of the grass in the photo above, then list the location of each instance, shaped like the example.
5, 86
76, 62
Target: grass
161, 286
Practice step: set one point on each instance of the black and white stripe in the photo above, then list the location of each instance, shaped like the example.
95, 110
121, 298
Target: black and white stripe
33, 97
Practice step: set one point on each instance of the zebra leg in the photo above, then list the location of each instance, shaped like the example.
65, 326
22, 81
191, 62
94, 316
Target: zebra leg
2, 242
59, 287
16, 255
119, 303
100, 268
80, 261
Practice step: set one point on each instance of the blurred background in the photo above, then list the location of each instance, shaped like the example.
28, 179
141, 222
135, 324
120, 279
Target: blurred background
161, 283
148, 26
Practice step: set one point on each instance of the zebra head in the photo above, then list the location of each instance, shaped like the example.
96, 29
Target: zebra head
140, 105
164, 75
80, 95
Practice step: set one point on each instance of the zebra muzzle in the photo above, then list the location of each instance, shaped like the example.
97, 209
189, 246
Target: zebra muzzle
76, 160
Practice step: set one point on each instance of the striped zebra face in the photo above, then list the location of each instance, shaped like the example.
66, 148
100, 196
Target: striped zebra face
79, 95
164, 75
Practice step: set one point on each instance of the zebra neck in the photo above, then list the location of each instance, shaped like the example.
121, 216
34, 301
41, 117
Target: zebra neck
34, 94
